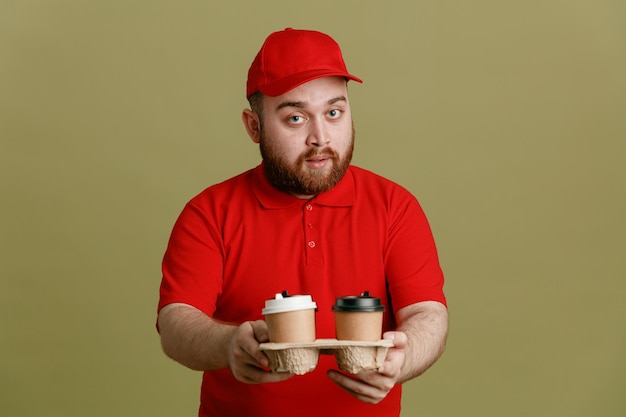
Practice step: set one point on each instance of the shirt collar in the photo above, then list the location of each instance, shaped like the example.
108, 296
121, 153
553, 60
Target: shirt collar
341, 195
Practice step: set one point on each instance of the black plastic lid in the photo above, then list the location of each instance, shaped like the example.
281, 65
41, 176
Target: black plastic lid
358, 303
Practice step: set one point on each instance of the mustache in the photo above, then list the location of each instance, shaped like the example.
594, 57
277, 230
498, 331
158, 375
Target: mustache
316, 153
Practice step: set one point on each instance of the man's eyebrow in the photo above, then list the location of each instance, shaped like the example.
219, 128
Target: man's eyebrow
336, 99
302, 104
298, 104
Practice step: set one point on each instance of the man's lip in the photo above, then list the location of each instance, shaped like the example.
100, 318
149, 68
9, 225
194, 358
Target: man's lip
318, 158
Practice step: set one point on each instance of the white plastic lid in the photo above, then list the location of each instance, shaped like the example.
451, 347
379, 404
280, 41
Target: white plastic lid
281, 304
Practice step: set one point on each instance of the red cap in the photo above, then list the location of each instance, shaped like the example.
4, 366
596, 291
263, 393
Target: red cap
293, 57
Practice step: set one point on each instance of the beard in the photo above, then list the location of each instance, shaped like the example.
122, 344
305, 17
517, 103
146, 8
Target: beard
296, 179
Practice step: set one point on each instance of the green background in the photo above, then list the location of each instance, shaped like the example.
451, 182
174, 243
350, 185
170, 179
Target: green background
506, 118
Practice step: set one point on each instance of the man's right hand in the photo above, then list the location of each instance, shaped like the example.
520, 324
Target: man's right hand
201, 343
247, 362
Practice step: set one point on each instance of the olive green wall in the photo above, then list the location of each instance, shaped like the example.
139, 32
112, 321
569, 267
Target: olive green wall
506, 118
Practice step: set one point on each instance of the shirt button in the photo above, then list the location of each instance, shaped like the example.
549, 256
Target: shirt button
309, 207
310, 225
311, 244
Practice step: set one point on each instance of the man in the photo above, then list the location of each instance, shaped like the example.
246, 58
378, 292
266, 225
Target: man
308, 222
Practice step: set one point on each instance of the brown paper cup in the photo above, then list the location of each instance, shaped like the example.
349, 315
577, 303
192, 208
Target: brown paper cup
358, 317
292, 326
290, 318
363, 326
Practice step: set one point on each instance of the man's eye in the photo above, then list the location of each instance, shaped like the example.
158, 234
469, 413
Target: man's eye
335, 113
296, 119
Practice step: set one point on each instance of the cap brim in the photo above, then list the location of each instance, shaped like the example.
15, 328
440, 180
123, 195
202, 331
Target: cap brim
280, 87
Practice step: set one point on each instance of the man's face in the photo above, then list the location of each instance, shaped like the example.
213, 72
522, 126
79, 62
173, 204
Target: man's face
307, 137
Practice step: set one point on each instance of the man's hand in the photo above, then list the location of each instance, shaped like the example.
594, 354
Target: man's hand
199, 342
372, 387
419, 340
247, 363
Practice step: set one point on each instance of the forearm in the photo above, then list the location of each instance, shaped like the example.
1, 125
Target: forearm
193, 339
426, 327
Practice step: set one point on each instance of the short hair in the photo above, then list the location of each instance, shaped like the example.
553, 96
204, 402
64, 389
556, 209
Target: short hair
256, 103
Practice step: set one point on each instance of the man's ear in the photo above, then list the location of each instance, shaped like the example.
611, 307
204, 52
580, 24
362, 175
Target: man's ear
252, 124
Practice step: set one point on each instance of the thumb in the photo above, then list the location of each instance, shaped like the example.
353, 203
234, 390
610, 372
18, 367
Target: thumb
399, 339
394, 361
259, 328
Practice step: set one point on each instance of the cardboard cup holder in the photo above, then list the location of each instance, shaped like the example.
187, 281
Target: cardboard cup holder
351, 356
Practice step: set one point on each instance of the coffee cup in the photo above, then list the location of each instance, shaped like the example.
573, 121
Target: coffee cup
358, 317
290, 318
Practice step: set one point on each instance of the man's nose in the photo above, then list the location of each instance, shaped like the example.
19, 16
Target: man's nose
317, 135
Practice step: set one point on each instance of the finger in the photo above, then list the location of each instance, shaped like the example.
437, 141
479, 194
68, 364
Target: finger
247, 369
377, 380
248, 343
399, 339
249, 364
261, 333
357, 388
392, 365
253, 375
246, 355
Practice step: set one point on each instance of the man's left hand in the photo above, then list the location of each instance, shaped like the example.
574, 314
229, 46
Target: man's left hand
372, 387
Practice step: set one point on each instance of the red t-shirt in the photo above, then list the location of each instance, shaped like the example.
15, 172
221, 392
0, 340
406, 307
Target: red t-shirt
240, 242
